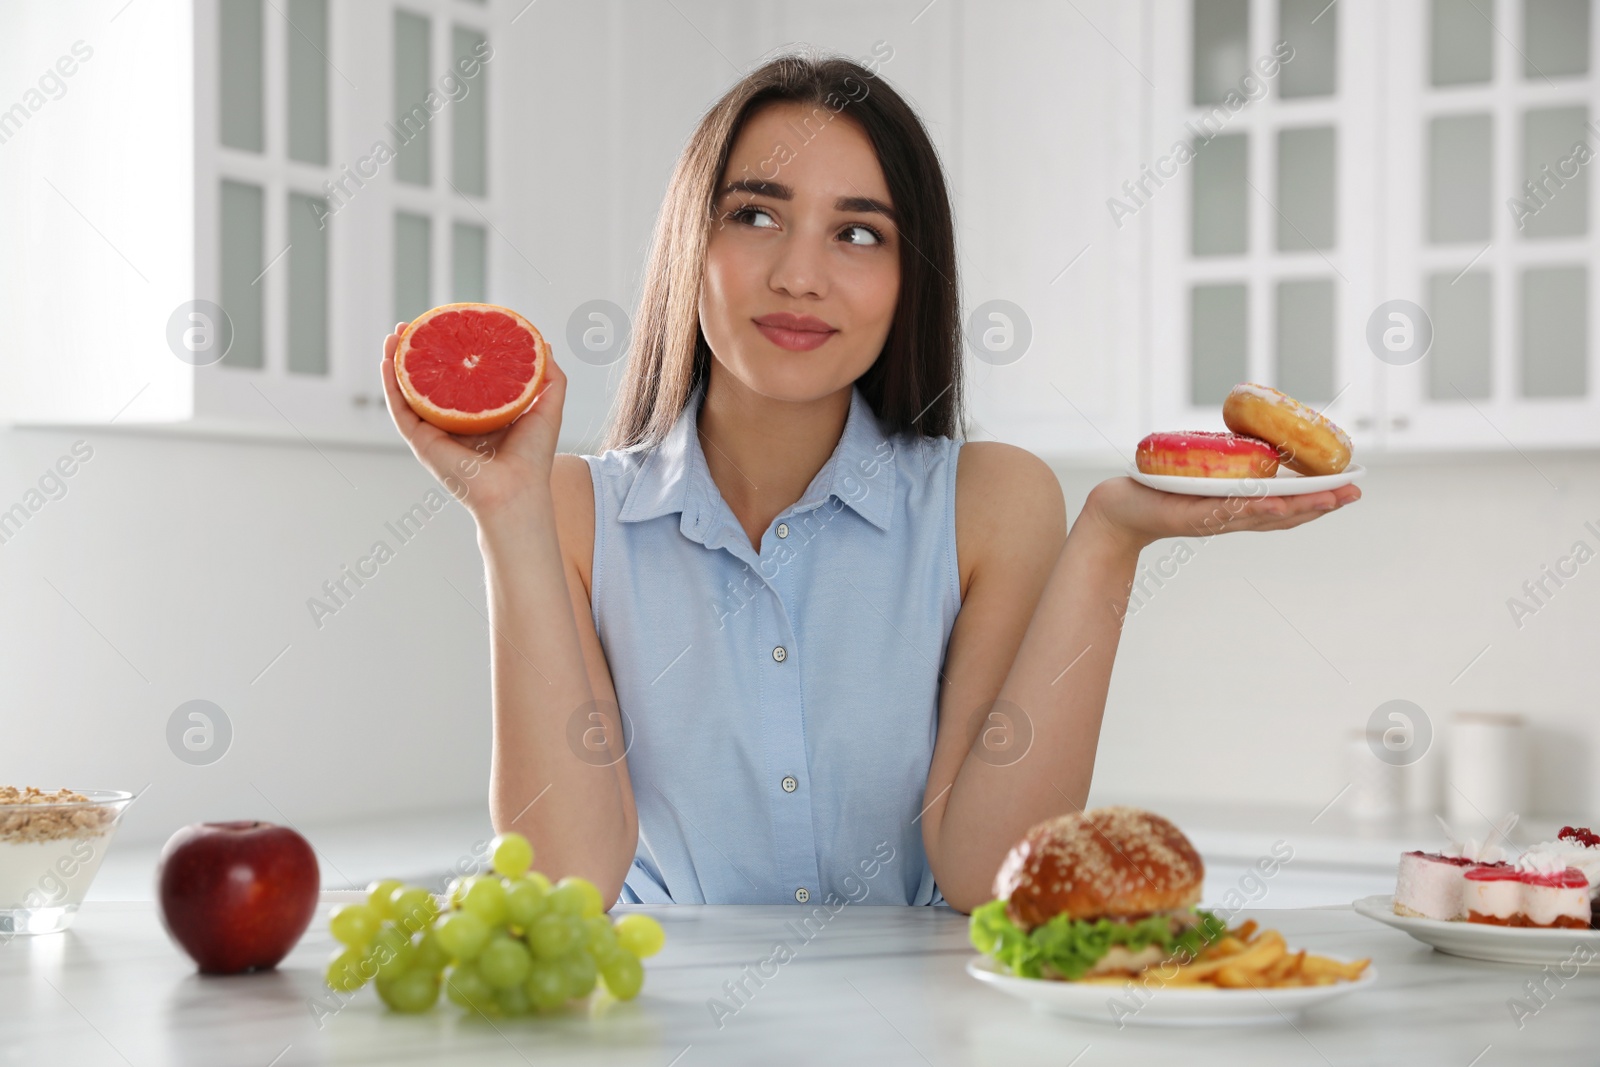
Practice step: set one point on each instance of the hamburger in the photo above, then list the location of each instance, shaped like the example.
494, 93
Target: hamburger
1107, 891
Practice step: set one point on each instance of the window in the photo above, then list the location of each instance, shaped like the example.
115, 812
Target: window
412, 119
308, 285
242, 90
243, 253
413, 259
308, 81
469, 262
469, 161
272, 224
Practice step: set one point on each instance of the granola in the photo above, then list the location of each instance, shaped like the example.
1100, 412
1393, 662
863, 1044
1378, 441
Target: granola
33, 814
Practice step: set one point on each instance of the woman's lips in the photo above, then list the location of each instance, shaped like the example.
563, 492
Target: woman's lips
795, 340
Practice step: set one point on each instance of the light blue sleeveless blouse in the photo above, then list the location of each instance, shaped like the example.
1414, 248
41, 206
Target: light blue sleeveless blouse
779, 707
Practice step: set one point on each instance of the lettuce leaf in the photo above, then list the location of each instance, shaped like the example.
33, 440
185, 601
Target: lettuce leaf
1068, 948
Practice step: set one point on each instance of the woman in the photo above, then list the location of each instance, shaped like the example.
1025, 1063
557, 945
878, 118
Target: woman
814, 619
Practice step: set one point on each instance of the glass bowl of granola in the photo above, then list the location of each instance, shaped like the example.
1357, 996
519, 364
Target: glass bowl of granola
51, 845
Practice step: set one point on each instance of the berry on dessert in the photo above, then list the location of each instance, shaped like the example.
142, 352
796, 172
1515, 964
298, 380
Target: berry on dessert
1579, 835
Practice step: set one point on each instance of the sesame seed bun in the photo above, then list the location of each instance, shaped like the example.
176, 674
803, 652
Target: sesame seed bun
1114, 862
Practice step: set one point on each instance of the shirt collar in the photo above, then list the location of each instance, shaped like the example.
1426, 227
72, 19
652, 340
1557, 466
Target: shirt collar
674, 477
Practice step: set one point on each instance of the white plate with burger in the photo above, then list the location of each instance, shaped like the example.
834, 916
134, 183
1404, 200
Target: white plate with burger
1094, 918
1134, 1004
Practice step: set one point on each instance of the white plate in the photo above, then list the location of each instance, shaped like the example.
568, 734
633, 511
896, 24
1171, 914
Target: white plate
1173, 1006
1287, 483
1481, 941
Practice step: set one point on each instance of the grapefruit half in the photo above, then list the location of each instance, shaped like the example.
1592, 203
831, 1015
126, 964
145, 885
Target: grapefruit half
470, 368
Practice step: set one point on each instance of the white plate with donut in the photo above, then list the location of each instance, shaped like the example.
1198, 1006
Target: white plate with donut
1285, 483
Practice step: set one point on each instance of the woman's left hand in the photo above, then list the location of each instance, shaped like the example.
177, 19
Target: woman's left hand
1135, 515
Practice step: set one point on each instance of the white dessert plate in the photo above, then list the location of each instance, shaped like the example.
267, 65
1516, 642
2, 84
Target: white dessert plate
1481, 941
1120, 1005
1287, 483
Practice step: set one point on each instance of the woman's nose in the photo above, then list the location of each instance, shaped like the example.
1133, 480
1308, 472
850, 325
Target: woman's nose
799, 268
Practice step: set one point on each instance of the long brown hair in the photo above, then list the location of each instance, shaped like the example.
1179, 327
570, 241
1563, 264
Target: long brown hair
915, 384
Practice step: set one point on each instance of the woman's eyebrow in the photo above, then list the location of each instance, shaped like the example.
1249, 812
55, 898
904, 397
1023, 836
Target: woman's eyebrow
780, 191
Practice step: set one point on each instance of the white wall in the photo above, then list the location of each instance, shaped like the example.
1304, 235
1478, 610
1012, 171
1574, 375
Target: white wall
173, 570
72, 240
1218, 696
177, 568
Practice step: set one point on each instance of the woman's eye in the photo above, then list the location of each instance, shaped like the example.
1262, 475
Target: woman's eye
746, 214
856, 233
873, 237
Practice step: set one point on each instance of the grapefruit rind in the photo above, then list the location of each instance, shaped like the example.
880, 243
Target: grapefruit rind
455, 421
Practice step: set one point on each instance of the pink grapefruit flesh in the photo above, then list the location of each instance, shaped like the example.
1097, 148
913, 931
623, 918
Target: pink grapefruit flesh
470, 368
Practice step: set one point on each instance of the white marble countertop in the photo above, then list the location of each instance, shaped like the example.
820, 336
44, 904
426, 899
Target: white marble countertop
878, 985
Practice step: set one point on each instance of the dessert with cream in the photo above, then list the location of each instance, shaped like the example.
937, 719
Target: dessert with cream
1431, 885
1537, 890
1553, 884
1577, 847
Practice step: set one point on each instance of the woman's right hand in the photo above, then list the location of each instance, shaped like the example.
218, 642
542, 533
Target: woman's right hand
486, 472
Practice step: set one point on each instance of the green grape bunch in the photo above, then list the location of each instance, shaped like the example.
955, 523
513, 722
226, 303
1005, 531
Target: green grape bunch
509, 943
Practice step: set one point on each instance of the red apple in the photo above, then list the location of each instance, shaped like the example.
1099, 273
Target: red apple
236, 896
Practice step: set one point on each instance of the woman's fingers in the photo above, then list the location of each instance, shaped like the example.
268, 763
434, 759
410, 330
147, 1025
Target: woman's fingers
1284, 513
1275, 512
405, 419
543, 416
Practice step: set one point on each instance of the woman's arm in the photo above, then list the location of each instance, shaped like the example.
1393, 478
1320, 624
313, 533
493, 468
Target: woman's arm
1032, 649
535, 517
549, 672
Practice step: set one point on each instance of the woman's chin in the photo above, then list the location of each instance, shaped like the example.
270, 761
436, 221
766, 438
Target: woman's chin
792, 377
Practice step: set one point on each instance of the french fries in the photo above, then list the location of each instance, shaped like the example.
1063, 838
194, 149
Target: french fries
1244, 958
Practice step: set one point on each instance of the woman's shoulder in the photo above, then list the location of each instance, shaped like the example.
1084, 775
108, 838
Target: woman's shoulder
998, 484
1006, 499
572, 493
574, 479
1015, 467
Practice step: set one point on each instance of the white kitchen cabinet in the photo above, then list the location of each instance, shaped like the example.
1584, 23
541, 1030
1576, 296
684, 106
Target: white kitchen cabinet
266, 158
1437, 114
1109, 287
1472, 113
1259, 208
394, 209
